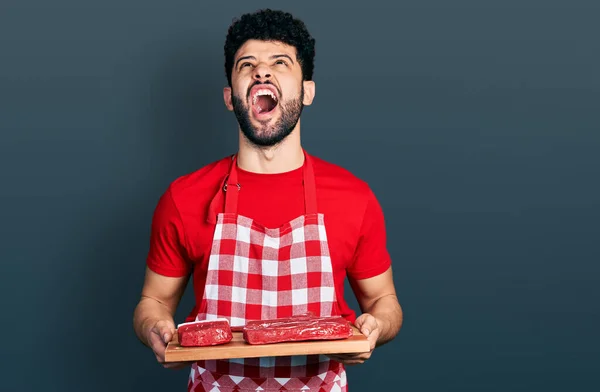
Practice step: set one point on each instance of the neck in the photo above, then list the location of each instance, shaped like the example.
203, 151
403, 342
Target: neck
285, 156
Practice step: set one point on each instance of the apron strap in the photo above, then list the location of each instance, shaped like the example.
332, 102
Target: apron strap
232, 187
310, 188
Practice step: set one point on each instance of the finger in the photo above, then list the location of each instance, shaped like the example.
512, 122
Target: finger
347, 356
350, 357
348, 361
353, 363
176, 365
338, 358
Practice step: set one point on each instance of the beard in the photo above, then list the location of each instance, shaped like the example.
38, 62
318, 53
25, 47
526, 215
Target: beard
268, 135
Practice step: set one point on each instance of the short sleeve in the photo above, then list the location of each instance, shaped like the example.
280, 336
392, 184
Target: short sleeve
371, 257
167, 253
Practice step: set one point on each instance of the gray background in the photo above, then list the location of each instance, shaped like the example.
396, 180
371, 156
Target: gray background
476, 124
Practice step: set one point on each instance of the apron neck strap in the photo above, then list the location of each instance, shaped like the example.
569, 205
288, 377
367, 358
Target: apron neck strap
232, 187
310, 188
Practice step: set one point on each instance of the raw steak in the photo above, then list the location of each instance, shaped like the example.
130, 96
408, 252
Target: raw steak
297, 328
204, 333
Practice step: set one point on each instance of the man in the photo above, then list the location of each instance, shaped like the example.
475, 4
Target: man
270, 231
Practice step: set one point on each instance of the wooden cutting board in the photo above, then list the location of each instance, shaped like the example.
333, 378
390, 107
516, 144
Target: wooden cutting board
238, 348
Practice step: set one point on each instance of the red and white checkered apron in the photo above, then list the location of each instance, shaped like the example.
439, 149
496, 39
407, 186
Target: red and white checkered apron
254, 273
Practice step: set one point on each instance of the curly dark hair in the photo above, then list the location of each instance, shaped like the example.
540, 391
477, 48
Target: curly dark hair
271, 25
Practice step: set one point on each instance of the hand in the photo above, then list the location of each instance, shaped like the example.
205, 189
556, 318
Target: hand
368, 326
158, 336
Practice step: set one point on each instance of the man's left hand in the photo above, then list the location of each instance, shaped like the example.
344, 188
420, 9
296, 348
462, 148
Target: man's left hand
368, 326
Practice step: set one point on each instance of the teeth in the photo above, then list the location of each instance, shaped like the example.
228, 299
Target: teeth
263, 92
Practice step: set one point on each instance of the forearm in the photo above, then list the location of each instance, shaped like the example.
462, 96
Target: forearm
389, 317
147, 313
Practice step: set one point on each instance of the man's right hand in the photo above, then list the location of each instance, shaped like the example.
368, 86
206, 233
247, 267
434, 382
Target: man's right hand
153, 316
158, 336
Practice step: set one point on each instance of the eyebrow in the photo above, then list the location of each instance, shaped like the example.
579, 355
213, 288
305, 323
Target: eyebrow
276, 56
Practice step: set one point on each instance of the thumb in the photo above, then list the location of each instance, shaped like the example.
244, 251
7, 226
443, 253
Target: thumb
167, 334
367, 324
362, 325
165, 331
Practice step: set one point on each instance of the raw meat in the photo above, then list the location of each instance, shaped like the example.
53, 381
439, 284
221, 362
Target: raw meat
204, 333
297, 328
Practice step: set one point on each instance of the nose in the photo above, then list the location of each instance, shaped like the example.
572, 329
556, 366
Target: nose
262, 72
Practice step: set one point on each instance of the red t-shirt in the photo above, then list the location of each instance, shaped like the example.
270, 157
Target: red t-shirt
181, 233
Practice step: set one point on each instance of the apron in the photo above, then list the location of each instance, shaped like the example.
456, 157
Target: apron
255, 273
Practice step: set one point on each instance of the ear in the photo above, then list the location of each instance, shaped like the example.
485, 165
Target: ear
309, 92
227, 98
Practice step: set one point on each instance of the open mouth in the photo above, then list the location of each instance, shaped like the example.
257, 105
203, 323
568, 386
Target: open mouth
264, 101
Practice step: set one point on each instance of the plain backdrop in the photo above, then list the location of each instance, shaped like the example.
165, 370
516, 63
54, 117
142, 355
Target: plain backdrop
476, 123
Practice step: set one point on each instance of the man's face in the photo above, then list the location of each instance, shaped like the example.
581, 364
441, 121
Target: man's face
267, 93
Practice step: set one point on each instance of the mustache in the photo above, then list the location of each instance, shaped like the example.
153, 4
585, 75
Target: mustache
261, 84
